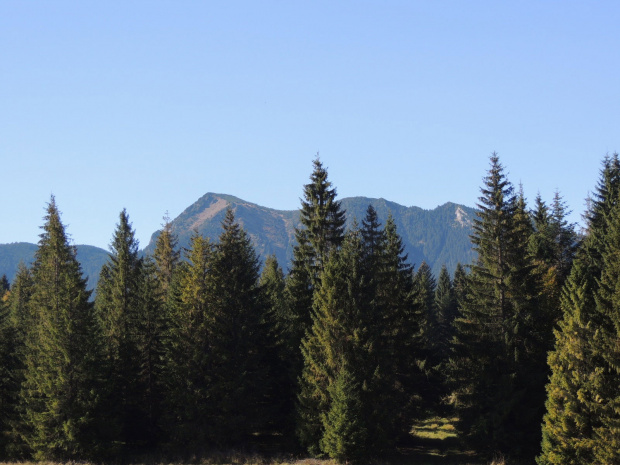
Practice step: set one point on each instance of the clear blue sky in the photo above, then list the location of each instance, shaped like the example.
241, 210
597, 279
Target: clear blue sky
150, 104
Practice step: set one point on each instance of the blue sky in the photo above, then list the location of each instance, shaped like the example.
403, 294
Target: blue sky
149, 105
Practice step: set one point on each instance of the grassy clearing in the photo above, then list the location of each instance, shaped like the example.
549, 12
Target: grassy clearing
435, 428
433, 441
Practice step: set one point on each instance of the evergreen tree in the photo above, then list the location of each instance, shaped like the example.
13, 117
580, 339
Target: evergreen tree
322, 218
152, 327
446, 308
501, 376
119, 305
569, 424
4, 285
566, 238
336, 335
579, 426
62, 353
237, 332
20, 322
352, 401
403, 318
188, 373
281, 388
424, 287
346, 436
7, 368
322, 231
166, 256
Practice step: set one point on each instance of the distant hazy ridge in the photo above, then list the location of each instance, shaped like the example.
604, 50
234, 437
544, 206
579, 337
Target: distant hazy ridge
438, 236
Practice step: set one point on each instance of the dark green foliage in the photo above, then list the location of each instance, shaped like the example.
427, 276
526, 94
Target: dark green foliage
446, 308
122, 304
346, 436
62, 354
322, 230
402, 343
356, 379
188, 375
152, 326
337, 332
568, 428
7, 368
424, 287
281, 388
500, 350
167, 256
236, 332
4, 285
581, 421
322, 217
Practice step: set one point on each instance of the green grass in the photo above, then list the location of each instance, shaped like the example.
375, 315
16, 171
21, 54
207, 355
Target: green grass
435, 428
433, 441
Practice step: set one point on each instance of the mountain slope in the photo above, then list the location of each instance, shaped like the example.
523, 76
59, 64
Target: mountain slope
437, 236
11, 255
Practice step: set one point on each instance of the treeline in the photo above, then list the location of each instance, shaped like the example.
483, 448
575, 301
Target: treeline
194, 349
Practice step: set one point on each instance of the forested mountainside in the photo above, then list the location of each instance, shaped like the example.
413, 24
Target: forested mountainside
338, 356
438, 237
91, 259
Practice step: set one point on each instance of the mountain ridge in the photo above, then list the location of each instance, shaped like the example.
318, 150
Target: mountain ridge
438, 236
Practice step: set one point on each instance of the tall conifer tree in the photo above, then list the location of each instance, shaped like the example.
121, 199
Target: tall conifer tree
499, 350
581, 422
166, 256
21, 321
237, 331
322, 231
62, 353
119, 305
7, 369
189, 376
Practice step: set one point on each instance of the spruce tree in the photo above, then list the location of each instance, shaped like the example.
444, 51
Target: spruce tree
4, 285
424, 287
152, 327
321, 233
60, 388
119, 306
403, 318
281, 388
237, 332
7, 369
346, 436
322, 220
353, 400
446, 308
336, 336
501, 368
166, 256
19, 324
188, 373
569, 424
578, 427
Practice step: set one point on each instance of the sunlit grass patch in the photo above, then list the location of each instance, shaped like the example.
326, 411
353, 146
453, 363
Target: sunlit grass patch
435, 428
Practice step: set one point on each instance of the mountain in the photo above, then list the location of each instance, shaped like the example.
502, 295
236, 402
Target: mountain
11, 255
438, 236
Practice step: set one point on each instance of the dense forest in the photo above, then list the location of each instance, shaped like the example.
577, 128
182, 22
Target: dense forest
193, 349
